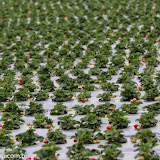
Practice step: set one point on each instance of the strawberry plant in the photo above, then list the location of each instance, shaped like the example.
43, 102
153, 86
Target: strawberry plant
106, 96
104, 76
78, 151
41, 95
47, 85
109, 87
11, 121
56, 136
29, 138
110, 152
48, 151
41, 121
131, 108
61, 96
117, 119
151, 94
147, 120
82, 110
15, 151
21, 95
154, 108
129, 93
34, 108
94, 71
67, 122
59, 109
114, 135
84, 95
117, 60
12, 108
104, 108
5, 139
91, 121
4, 95
145, 151
30, 86
86, 136
124, 77
146, 136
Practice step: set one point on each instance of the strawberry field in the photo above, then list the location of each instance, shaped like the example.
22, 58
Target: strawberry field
80, 80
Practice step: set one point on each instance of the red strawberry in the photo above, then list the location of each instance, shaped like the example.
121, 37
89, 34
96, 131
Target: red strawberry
80, 88
145, 36
145, 59
30, 96
105, 67
136, 125
20, 83
26, 31
48, 127
35, 158
30, 56
29, 158
10, 67
104, 14
112, 109
108, 127
70, 97
83, 100
46, 141
92, 158
74, 140
10, 100
115, 96
3, 125
80, 122
16, 138
65, 16
72, 79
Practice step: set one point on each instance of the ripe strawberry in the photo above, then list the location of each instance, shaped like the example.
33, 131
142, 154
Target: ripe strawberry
108, 127
10, 67
30, 56
136, 125
145, 36
80, 88
20, 83
92, 158
80, 122
29, 158
35, 158
74, 140
115, 96
72, 79
83, 100
105, 67
46, 141
10, 100
112, 109
48, 127
134, 99
16, 138
70, 97
143, 60
65, 16
26, 31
